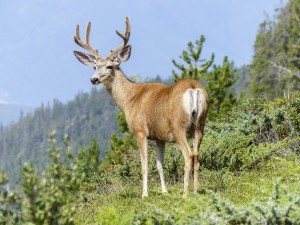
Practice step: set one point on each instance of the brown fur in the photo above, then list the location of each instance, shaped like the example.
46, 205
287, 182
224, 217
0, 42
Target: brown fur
156, 109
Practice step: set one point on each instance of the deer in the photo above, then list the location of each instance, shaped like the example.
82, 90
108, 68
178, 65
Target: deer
153, 111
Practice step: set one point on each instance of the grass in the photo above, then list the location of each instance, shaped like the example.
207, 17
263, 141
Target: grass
124, 202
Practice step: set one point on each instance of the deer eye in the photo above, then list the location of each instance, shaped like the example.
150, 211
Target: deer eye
109, 67
94, 67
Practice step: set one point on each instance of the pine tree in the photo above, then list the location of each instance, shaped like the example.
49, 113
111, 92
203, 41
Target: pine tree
193, 66
261, 81
220, 88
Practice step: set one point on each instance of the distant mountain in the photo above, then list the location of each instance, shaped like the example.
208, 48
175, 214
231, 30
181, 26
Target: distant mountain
10, 113
89, 116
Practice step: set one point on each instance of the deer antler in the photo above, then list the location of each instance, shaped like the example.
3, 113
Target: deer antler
125, 36
86, 44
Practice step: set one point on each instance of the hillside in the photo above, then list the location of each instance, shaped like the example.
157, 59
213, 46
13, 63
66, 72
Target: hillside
89, 116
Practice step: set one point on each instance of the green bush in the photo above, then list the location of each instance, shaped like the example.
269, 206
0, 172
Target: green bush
88, 159
225, 150
235, 151
9, 203
281, 208
269, 121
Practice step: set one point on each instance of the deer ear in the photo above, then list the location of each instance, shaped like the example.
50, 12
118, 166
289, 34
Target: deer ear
88, 60
124, 54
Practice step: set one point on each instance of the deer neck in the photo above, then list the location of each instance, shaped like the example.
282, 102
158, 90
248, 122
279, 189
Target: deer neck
120, 88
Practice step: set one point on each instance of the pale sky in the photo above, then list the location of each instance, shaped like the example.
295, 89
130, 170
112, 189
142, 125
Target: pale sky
36, 39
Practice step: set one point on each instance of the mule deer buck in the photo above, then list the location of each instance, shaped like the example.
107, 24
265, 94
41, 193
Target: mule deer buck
153, 111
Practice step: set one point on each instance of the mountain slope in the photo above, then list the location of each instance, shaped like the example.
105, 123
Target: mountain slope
89, 116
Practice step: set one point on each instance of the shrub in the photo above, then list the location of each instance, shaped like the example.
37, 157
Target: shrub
9, 202
281, 208
269, 121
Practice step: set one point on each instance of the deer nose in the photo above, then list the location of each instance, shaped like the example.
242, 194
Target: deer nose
94, 80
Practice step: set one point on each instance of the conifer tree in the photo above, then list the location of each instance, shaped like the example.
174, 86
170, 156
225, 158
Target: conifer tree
193, 66
220, 83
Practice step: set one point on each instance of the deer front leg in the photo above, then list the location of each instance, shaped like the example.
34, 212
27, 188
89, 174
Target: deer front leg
160, 164
196, 143
142, 145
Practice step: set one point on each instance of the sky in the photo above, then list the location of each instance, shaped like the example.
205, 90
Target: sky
36, 39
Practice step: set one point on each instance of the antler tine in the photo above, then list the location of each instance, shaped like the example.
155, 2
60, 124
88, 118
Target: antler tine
77, 37
85, 45
88, 31
125, 36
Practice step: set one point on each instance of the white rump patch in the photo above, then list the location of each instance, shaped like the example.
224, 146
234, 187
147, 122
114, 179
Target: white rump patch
194, 103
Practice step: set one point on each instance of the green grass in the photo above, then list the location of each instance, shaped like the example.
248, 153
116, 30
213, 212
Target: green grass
124, 202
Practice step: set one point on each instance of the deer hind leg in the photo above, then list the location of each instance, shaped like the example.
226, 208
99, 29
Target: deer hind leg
160, 164
188, 159
196, 143
142, 145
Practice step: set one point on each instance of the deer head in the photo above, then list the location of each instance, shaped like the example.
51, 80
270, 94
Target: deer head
104, 67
